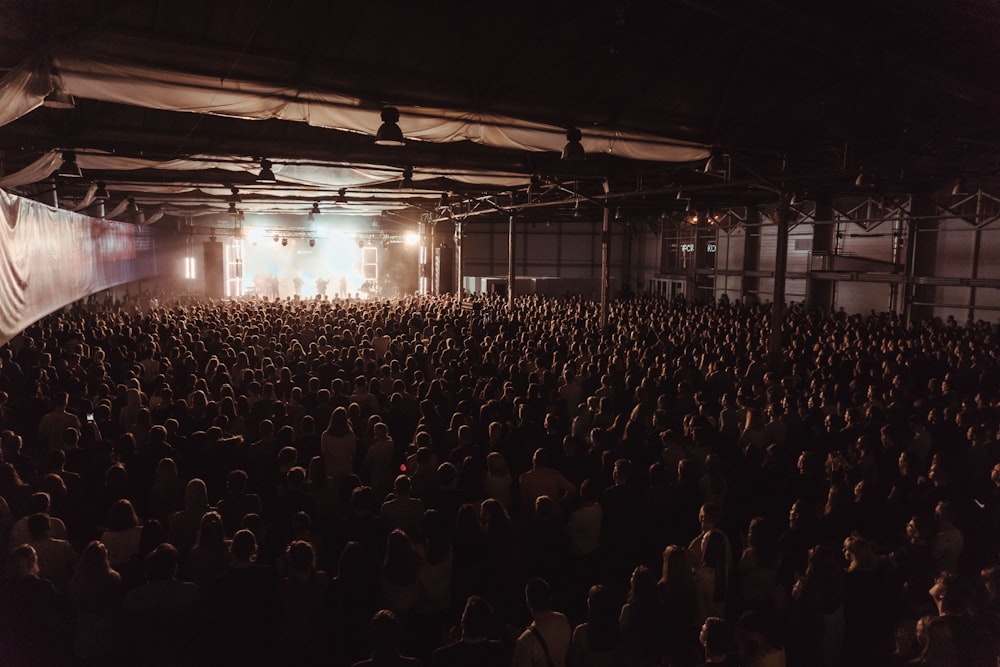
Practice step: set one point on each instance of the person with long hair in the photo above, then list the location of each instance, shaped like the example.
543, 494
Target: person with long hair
123, 534
597, 641
677, 592
399, 586
350, 602
338, 445
300, 598
758, 566
711, 579
209, 557
642, 620
183, 525
96, 592
167, 493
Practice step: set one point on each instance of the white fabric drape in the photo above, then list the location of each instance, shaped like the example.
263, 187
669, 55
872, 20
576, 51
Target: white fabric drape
50, 258
287, 172
91, 78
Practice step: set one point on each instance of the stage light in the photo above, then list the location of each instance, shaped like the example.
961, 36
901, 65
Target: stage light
266, 174
412, 239
284, 242
312, 243
389, 133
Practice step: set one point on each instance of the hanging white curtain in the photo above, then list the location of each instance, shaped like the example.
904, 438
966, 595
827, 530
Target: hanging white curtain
50, 258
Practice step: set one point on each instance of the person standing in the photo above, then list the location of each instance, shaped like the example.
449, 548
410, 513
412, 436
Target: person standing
544, 643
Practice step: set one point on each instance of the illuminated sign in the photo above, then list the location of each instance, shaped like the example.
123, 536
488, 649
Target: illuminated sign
687, 247
711, 248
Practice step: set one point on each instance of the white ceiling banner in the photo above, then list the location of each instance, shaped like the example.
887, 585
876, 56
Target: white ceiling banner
124, 83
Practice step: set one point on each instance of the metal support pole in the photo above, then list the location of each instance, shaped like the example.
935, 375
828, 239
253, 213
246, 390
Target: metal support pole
432, 284
510, 262
821, 292
605, 264
774, 346
921, 262
458, 259
750, 284
897, 251
977, 244
422, 282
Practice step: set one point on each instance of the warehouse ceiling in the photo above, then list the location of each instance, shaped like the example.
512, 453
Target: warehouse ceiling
178, 102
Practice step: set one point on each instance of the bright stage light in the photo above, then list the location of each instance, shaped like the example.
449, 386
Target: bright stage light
412, 239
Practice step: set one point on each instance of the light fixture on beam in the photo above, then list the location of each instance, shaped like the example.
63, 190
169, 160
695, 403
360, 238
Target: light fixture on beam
342, 196
407, 182
535, 187
284, 242
573, 150
389, 133
69, 167
59, 99
716, 163
266, 174
101, 194
312, 243
132, 207
234, 198
864, 179
313, 212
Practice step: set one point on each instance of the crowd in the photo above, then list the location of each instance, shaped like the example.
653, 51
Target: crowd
456, 482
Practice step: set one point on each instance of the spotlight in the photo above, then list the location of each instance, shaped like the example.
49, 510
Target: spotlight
535, 188
573, 150
276, 238
59, 99
312, 243
101, 194
411, 239
132, 208
266, 174
69, 168
315, 209
284, 242
407, 182
234, 198
389, 133
716, 163
445, 202
864, 179
342, 196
